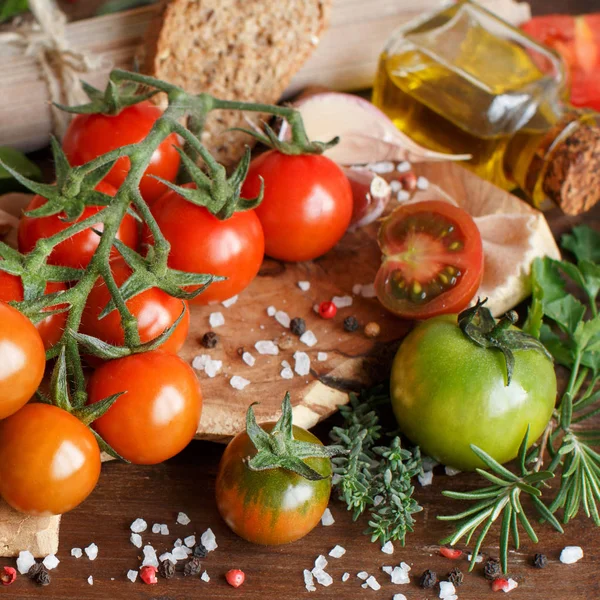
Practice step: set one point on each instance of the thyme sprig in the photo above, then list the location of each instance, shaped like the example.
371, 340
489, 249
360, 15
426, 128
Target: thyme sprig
371, 478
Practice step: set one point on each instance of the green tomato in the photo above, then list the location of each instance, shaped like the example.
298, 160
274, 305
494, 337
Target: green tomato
448, 393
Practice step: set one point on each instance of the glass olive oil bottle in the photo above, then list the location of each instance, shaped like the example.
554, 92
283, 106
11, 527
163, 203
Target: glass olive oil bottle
463, 81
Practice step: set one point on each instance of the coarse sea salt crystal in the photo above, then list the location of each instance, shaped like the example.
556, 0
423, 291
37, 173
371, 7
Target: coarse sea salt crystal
132, 575
267, 347
50, 562
512, 584
205, 577
167, 556
309, 581
150, 558
387, 569
478, 558
404, 567
25, 561
183, 519
399, 597
248, 359
399, 576
368, 291
388, 548
304, 285
164, 529
287, 373
213, 367
230, 301
238, 383
402, 196
209, 541
92, 551
337, 551
178, 543
357, 289
179, 553
342, 301
447, 589
395, 186
422, 183
362, 575
271, 310
199, 362
345, 577
403, 167
190, 541
136, 540
285, 364
571, 554
322, 356
426, 478
320, 562
90, 580
216, 319
327, 518
308, 338
429, 463
302, 363
138, 526
373, 583
323, 578
451, 471
76, 552
156, 528
283, 318
382, 167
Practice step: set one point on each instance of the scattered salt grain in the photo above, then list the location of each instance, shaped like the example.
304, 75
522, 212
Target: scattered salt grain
322, 356
357, 289
422, 183
377, 500
399, 597
178, 543
283, 318
362, 575
322, 577
381, 167
205, 577
478, 558
76, 552
308, 338
179, 553
512, 584
302, 363
139, 526
156, 528
342, 301
451, 471
399, 576
209, 541
337, 551
402, 196
304, 285
213, 367
167, 556
136, 540
238, 383
248, 359
387, 569
285, 364
50, 562
230, 301
345, 577
429, 463
388, 548
90, 580
150, 558
309, 582
447, 589
199, 362
287, 373
404, 567
190, 541
327, 518
320, 562
426, 478
395, 186
216, 319
132, 575
183, 519
271, 310
373, 583
368, 291
571, 554
92, 551
25, 561
164, 529
403, 167
266, 347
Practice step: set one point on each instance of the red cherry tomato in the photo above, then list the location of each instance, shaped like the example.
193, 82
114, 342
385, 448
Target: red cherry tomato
89, 136
159, 412
201, 243
77, 251
432, 260
154, 309
307, 205
22, 360
52, 327
327, 310
49, 460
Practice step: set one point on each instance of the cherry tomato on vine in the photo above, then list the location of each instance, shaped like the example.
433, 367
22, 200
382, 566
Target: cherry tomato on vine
77, 251
275, 506
201, 243
89, 136
49, 460
154, 309
432, 260
159, 412
307, 204
52, 327
22, 360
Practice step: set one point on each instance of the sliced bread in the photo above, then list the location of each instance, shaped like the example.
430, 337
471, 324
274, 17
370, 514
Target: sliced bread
245, 50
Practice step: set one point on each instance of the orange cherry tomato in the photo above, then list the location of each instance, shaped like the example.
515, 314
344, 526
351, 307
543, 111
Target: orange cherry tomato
154, 309
22, 360
77, 251
89, 136
52, 327
49, 460
159, 412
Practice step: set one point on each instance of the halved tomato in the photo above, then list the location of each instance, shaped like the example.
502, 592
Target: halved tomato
432, 260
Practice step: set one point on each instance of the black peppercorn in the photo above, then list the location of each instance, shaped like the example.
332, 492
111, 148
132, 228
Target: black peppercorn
350, 324
42, 577
540, 561
36, 567
192, 567
297, 326
166, 569
210, 339
199, 550
492, 569
455, 577
428, 579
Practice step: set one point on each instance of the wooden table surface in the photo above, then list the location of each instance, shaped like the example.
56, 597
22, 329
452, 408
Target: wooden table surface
186, 484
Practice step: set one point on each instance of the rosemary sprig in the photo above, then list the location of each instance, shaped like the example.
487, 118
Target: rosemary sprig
375, 479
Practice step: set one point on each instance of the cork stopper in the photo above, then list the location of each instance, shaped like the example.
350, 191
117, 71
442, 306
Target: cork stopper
572, 179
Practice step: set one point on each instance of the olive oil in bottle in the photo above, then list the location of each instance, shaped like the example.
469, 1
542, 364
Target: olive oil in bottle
462, 81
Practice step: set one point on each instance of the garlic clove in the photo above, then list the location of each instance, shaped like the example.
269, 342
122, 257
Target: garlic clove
370, 193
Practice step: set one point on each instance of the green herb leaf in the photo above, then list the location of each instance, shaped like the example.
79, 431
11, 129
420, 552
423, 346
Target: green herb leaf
584, 243
18, 162
566, 312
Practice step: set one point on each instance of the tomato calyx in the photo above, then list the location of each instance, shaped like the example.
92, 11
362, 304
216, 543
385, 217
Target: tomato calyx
279, 450
478, 324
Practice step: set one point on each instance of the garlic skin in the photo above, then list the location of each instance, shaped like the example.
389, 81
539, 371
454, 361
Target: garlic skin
371, 194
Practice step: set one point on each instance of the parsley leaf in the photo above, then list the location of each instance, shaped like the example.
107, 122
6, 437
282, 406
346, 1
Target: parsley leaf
584, 243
